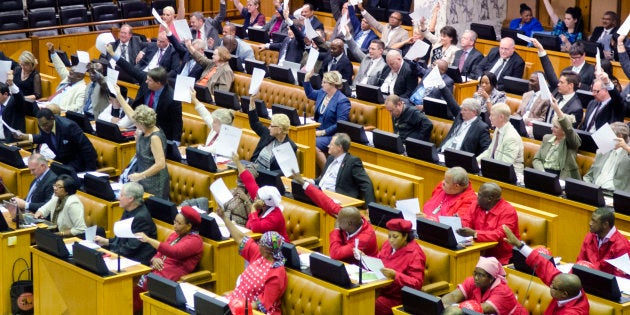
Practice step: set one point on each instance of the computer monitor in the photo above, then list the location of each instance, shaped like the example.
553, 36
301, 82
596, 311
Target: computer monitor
467, 160
369, 93
209, 228
226, 99
291, 255
200, 159
90, 259
356, 132
329, 270
518, 124
542, 181
540, 129
548, 41
498, 170
278, 37
261, 107
208, 53
4, 226
258, 35
418, 302
621, 201
98, 187
381, 214
453, 73
165, 290
590, 48
235, 64
10, 155
291, 112
281, 73
316, 80
161, 209
421, 150
435, 107
584, 96
172, 151
270, 178
588, 144
297, 191
519, 262
203, 94
436, 233
51, 243
508, 32
597, 282
387, 141
241, 31
81, 120
250, 64
205, 304
484, 31
110, 131
515, 85
61, 169
584, 192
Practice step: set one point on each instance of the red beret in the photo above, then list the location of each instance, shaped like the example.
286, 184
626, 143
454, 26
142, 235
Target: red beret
191, 215
399, 225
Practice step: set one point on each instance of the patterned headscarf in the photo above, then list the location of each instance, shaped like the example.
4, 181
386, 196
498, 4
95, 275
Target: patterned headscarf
273, 240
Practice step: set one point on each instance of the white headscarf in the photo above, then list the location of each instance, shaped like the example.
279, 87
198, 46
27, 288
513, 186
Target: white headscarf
270, 195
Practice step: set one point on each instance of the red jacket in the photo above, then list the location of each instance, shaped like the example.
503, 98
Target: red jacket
274, 221
615, 247
499, 295
547, 271
181, 258
449, 205
489, 227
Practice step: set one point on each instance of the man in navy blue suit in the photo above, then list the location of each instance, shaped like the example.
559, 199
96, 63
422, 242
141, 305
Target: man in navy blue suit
337, 60
292, 47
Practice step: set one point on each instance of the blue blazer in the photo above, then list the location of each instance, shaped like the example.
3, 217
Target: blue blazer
338, 108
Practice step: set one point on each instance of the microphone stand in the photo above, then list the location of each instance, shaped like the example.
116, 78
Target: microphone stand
118, 255
360, 269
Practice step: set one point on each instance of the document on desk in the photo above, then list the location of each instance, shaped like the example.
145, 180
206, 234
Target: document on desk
455, 223
228, 140
112, 263
622, 263
189, 291
353, 273
375, 265
122, 229
409, 208
624, 285
285, 156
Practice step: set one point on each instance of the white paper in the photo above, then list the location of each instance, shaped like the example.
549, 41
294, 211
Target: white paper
294, 66
605, 138
564, 268
310, 31
112, 80
122, 229
102, 40
81, 175
257, 78
5, 67
410, 208
598, 62
158, 18
524, 37
418, 50
183, 84
90, 233
313, 54
624, 285
285, 156
189, 291
89, 244
545, 94
455, 223
220, 192
112, 264
415, 16
84, 61
182, 29
342, 24
433, 79
228, 140
625, 27
46, 152
374, 264
622, 263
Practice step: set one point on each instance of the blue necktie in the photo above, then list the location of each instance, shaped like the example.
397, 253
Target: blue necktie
88, 98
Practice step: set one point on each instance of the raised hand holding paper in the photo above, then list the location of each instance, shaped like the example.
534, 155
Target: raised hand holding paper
257, 78
228, 140
286, 159
183, 84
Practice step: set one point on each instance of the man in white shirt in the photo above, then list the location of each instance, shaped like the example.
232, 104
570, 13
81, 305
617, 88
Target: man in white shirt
506, 145
372, 63
610, 170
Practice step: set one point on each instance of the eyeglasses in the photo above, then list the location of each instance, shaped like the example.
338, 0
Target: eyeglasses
56, 186
595, 91
576, 57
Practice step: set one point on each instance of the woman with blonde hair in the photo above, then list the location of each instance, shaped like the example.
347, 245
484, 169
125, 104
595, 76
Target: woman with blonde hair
214, 121
168, 16
251, 13
27, 78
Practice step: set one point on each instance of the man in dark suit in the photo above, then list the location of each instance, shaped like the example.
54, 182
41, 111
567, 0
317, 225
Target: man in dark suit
408, 121
470, 55
127, 45
41, 189
606, 106
344, 173
606, 32
578, 65
420, 92
157, 94
469, 132
188, 67
502, 61
292, 47
398, 77
308, 13
13, 109
160, 54
204, 28
65, 139
337, 60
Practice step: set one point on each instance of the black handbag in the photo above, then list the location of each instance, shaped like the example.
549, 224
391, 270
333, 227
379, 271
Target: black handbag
21, 291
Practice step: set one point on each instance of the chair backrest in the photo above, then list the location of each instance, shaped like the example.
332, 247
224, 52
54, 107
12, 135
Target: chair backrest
36, 4
195, 130
73, 15
43, 17
105, 12
302, 223
11, 5
12, 20
303, 296
390, 186
158, 5
134, 9
64, 3
94, 212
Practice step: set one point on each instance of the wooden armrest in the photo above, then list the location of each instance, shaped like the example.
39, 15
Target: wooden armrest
6, 196
369, 128
201, 276
434, 288
308, 242
108, 170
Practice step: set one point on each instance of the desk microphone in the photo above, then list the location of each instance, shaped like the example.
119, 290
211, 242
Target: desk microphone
118, 254
360, 270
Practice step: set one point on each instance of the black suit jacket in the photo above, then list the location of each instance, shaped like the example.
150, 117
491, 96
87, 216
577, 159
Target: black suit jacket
597, 32
185, 57
587, 75
477, 139
13, 114
613, 111
169, 111
71, 146
572, 107
292, 47
344, 66
352, 180
474, 58
405, 82
43, 192
265, 139
169, 61
130, 247
134, 46
212, 26
513, 68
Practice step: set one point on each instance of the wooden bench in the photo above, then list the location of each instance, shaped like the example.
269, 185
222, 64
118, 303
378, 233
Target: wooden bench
306, 297
305, 224
390, 185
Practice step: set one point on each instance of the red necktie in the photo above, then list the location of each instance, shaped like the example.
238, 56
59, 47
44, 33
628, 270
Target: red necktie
462, 59
199, 34
151, 99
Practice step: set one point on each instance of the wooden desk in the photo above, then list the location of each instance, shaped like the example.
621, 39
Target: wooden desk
60, 287
13, 245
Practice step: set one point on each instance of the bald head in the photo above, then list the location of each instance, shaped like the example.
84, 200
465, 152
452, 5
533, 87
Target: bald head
349, 219
506, 47
442, 65
229, 42
568, 285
